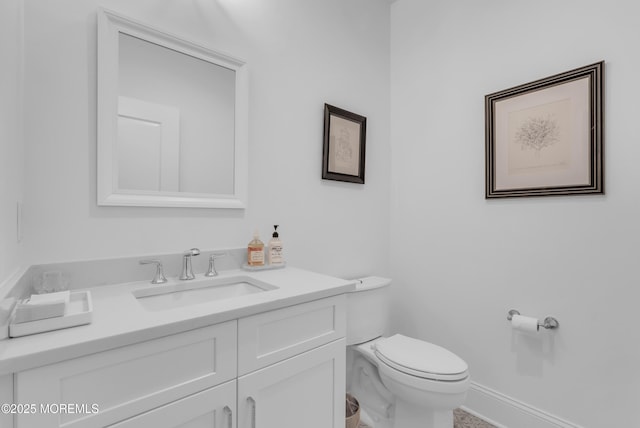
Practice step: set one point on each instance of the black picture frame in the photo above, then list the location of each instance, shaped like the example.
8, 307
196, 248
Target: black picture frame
545, 137
344, 148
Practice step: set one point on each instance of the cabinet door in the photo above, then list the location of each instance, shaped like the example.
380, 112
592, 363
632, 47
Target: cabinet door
6, 396
114, 385
212, 408
306, 390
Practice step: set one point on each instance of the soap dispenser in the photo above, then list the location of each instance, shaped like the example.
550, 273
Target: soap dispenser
255, 251
275, 248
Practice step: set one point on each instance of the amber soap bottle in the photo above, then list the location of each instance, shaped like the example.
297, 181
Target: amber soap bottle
255, 251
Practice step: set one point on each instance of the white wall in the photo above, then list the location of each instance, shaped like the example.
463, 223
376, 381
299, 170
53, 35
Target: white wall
300, 55
11, 152
460, 262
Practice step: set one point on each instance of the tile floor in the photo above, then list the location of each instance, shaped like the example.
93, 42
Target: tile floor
461, 419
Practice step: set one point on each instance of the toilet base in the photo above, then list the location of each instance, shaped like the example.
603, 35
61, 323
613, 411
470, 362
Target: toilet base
388, 402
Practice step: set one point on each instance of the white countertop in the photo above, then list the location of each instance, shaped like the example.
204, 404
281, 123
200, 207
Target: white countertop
119, 320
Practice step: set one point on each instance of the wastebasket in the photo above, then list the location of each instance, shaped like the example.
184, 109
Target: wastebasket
352, 412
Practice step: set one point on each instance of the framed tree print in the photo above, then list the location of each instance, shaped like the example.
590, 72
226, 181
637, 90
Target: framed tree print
343, 157
545, 137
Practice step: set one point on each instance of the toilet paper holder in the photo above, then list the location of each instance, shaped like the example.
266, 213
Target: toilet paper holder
549, 322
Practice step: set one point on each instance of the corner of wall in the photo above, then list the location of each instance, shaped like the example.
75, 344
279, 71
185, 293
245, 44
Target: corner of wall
11, 137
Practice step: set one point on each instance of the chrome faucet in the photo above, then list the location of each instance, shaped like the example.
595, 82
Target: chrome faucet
187, 268
159, 276
212, 266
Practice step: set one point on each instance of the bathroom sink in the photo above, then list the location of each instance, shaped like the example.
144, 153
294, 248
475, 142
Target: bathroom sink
202, 290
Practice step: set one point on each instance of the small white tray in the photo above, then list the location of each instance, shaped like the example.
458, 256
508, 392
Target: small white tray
79, 312
245, 266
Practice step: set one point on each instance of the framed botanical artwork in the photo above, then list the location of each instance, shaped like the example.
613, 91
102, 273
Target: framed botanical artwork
343, 155
545, 137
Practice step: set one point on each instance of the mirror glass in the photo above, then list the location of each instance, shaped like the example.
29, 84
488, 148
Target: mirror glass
171, 120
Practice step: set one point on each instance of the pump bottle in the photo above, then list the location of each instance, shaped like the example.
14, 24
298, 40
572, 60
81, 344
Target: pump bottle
255, 251
275, 248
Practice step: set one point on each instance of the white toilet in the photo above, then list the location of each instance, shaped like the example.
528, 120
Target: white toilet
399, 381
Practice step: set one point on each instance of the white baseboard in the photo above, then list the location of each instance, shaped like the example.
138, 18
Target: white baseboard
506, 412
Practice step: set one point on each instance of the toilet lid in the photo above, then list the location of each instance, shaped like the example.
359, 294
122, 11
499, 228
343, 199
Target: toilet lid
418, 358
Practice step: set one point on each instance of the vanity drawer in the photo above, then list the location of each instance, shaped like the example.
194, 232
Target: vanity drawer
214, 407
114, 385
269, 337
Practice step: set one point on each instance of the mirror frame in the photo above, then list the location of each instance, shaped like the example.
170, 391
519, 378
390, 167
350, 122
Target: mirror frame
110, 25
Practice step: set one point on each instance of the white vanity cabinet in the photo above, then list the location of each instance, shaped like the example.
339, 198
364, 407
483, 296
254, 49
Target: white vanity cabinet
291, 364
129, 381
282, 368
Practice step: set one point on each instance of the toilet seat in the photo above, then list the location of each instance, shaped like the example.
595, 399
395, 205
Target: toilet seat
420, 359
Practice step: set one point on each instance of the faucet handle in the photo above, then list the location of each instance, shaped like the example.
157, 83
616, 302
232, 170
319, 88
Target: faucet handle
159, 277
212, 266
187, 267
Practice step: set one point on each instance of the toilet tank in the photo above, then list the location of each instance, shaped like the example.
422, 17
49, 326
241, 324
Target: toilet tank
367, 309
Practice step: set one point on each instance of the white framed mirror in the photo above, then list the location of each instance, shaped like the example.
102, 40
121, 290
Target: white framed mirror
172, 120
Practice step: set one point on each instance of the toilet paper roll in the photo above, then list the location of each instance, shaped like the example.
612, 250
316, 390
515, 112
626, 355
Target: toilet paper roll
518, 322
